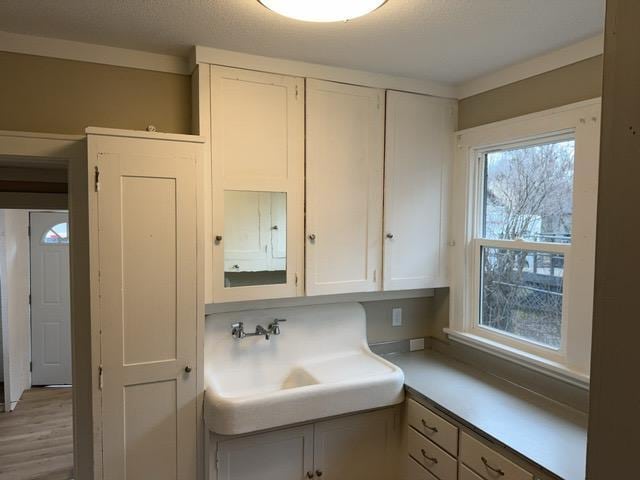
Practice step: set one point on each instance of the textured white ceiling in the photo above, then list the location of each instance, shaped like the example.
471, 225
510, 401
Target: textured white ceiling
449, 41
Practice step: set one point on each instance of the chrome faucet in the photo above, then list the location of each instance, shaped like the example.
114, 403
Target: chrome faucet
237, 330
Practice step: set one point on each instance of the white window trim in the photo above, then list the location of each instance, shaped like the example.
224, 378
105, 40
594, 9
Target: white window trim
571, 362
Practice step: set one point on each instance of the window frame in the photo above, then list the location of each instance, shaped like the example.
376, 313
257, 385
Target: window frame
580, 122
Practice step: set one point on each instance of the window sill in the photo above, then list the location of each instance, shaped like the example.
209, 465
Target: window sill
533, 362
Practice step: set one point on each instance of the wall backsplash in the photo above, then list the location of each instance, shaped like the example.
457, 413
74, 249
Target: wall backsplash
421, 317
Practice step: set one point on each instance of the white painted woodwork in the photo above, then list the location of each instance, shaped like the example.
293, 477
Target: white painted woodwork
433, 426
432, 457
50, 310
345, 150
257, 144
281, 454
465, 473
418, 159
482, 459
356, 447
360, 446
415, 471
148, 297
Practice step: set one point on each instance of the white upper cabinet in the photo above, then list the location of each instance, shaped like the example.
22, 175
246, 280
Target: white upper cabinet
419, 152
257, 158
344, 179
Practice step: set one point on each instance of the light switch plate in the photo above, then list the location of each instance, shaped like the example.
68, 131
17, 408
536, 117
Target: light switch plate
416, 344
396, 317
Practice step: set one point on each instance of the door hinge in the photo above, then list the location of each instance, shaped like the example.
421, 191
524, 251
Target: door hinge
97, 179
29, 299
217, 460
29, 230
31, 366
374, 275
296, 279
100, 377
296, 92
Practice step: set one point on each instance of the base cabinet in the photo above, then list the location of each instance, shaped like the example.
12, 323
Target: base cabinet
355, 447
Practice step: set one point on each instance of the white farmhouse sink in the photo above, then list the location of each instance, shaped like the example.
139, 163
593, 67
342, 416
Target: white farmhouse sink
319, 366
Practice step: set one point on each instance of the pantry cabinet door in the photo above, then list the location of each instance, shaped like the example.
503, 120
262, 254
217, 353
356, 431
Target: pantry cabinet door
147, 306
419, 152
345, 155
279, 455
358, 447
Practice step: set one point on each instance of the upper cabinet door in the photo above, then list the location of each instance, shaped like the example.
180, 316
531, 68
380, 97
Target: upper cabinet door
345, 155
419, 152
257, 147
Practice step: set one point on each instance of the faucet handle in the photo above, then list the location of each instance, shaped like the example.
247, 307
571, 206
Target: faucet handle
237, 330
278, 320
274, 327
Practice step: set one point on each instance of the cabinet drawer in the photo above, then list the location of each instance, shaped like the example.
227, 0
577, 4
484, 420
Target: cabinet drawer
432, 457
466, 474
488, 463
415, 471
432, 426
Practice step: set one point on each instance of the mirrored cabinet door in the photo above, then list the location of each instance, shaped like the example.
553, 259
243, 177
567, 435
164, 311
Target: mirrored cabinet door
257, 148
255, 241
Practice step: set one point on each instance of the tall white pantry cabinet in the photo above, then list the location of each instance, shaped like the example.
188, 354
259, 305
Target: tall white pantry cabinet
147, 302
366, 174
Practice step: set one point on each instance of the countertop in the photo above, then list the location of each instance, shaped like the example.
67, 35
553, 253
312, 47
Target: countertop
545, 432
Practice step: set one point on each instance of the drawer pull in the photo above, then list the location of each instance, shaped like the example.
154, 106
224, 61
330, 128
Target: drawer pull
433, 429
433, 460
497, 471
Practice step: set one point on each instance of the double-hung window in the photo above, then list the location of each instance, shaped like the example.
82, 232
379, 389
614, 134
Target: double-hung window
524, 234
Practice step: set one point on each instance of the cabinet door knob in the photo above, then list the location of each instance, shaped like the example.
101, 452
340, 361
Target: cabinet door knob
309, 474
389, 236
188, 369
318, 473
312, 237
218, 238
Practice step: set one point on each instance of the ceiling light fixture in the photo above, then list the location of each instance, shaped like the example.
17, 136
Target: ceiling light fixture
323, 10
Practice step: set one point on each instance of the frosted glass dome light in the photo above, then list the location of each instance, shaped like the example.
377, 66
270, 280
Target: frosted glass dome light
322, 10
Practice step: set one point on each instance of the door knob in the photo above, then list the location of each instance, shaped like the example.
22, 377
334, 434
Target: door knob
389, 236
309, 474
318, 473
188, 369
312, 237
218, 238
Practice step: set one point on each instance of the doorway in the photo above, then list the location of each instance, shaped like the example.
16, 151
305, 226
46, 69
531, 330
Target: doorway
49, 298
37, 425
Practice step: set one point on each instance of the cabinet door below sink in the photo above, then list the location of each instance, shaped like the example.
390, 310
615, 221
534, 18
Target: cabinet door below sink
357, 447
280, 455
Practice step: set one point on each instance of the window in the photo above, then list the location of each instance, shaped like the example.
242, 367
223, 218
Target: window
526, 202
56, 235
525, 195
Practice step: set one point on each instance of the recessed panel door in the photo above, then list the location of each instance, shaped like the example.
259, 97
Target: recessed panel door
345, 154
147, 307
50, 316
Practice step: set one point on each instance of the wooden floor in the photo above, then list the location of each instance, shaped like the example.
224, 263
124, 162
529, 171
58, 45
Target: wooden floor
36, 440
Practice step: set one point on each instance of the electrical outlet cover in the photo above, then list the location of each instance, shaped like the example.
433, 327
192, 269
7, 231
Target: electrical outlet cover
396, 317
416, 344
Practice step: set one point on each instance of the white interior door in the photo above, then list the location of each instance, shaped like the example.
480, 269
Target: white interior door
148, 308
50, 317
345, 155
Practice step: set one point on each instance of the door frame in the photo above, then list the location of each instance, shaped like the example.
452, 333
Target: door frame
86, 398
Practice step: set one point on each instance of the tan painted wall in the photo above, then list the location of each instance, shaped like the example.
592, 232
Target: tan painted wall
614, 420
579, 81
417, 315
41, 94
